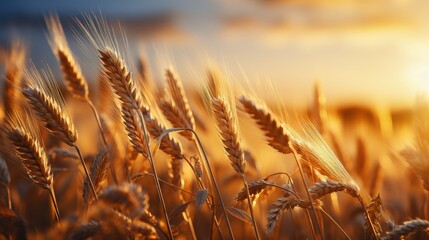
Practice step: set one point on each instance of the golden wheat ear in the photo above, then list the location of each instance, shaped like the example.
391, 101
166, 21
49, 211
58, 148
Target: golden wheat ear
275, 133
22, 133
75, 80
46, 101
180, 100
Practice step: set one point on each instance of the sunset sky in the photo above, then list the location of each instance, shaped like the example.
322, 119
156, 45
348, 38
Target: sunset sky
372, 52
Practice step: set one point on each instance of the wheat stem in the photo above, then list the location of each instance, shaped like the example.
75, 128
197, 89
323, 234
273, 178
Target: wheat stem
249, 201
295, 154
155, 174
97, 118
54, 201
86, 171
203, 151
334, 222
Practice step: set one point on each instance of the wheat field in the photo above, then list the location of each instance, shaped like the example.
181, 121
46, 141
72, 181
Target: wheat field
125, 156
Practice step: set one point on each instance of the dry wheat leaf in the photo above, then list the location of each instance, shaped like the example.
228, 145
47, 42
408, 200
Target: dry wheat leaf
176, 215
240, 214
201, 197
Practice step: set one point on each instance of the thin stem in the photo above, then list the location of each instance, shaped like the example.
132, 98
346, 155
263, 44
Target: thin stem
155, 174
279, 173
249, 201
97, 117
334, 222
54, 201
86, 172
283, 188
295, 154
138, 175
214, 182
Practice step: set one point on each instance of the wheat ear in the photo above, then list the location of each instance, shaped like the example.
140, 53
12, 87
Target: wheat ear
134, 130
51, 114
374, 212
329, 186
174, 116
228, 132
98, 173
407, 228
181, 102
34, 160
274, 131
120, 79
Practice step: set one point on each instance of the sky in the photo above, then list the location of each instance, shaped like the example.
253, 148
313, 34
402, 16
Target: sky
367, 52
